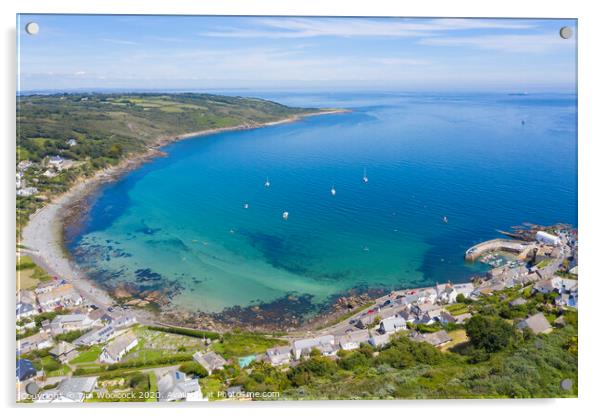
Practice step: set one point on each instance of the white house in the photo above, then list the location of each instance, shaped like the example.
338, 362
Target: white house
547, 238
209, 361
114, 351
392, 324
71, 322
379, 340
304, 346
353, 340
174, 386
69, 390
279, 355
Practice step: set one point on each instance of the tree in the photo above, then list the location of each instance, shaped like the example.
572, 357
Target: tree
489, 333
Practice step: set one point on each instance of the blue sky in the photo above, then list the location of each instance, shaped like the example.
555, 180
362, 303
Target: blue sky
195, 52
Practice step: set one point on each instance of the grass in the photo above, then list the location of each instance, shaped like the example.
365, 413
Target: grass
152, 382
63, 371
153, 344
458, 337
89, 355
457, 308
243, 344
544, 263
211, 387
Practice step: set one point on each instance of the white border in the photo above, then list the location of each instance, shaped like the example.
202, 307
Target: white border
590, 136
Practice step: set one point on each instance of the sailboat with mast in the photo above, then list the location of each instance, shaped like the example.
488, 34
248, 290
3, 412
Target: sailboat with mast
365, 178
267, 182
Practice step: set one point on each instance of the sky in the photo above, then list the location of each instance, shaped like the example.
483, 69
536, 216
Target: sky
97, 52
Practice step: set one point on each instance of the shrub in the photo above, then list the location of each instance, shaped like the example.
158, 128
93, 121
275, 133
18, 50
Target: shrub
490, 334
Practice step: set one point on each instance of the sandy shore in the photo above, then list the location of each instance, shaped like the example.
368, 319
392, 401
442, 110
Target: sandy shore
43, 234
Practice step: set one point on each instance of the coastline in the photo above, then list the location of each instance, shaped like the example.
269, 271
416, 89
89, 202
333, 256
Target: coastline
42, 237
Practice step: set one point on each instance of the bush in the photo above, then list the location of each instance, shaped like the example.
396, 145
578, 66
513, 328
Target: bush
194, 369
353, 361
490, 334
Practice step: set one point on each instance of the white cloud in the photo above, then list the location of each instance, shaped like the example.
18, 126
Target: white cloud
504, 43
361, 27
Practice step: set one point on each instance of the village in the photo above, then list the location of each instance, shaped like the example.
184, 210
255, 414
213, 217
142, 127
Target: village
70, 349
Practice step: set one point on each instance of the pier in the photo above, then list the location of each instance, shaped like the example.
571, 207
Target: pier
499, 244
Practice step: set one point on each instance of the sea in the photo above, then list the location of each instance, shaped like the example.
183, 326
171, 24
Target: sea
444, 171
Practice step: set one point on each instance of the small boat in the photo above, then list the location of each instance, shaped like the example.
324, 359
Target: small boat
267, 182
333, 191
365, 178
445, 220
285, 215
245, 206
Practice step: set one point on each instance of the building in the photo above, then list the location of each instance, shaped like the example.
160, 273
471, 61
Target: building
436, 339
25, 370
71, 322
29, 191
279, 355
209, 361
114, 351
96, 337
37, 341
69, 390
62, 296
25, 310
547, 238
64, 351
536, 323
304, 346
173, 386
353, 340
378, 340
392, 325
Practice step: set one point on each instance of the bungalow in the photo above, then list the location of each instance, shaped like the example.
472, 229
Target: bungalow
279, 355
446, 293
392, 325
123, 321
353, 340
555, 284
379, 340
304, 346
56, 161
69, 390
327, 350
25, 310
71, 322
174, 386
436, 339
114, 351
38, 341
429, 314
64, 351
536, 323
209, 361
96, 337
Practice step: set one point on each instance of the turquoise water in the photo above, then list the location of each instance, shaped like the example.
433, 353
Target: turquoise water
179, 224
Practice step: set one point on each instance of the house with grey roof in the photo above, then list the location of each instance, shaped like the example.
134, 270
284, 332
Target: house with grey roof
210, 361
304, 346
37, 341
71, 322
436, 339
96, 336
392, 324
378, 340
279, 355
64, 351
353, 340
174, 386
69, 390
518, 302
26, 310
114, 351
536, 323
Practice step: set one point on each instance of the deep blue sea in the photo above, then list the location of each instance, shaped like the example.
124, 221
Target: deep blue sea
486, 161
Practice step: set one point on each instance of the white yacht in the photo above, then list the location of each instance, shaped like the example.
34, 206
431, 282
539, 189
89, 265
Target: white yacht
333, 191
267, 182
285, 215
365, 178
